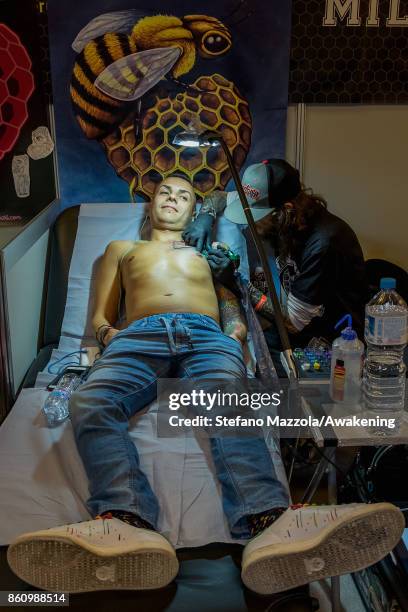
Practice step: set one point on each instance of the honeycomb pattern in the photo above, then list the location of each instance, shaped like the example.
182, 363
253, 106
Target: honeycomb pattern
16, 87
343, 64
146, 161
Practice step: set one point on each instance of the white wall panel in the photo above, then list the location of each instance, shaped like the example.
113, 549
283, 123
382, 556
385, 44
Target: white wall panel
357, 157
24, 289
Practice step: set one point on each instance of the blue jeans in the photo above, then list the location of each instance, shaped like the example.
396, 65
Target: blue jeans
124, 380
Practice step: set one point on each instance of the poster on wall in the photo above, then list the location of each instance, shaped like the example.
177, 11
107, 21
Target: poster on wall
349, 51
127, 79
26, 147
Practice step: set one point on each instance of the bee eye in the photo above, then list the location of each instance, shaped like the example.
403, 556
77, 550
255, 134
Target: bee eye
215, 43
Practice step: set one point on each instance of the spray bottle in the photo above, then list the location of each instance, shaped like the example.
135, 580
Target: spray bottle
346, 365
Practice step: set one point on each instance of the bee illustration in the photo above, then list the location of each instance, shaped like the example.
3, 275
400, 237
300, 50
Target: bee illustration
122, 55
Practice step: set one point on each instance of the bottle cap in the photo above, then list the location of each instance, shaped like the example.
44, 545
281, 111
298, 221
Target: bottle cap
348, 333
388, 283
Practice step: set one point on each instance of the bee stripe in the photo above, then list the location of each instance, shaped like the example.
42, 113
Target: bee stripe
118, 45
89, 97
125, 45
93, 58
104, 51
125, 76
134, 71
92, 111
116, 76
139, 66
92, 90
129, 76
103, 126
86, 69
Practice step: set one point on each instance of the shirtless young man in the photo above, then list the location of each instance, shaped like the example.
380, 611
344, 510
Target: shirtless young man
173, 329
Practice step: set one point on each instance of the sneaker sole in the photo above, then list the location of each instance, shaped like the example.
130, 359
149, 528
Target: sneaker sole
347, 547
60, 564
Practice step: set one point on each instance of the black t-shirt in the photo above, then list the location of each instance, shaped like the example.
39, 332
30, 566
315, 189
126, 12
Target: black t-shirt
328, 270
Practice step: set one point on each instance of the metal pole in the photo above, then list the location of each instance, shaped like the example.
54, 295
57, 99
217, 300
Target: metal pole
283, 334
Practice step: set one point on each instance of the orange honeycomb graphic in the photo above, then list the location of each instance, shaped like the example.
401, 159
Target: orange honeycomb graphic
145, 161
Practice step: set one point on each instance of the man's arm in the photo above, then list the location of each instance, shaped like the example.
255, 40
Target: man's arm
263, 306
232, 320
107, 292
215, 202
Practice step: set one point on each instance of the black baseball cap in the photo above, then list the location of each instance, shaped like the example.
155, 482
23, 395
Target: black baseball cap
267, 185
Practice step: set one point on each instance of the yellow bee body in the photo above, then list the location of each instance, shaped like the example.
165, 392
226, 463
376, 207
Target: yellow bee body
115, 68
96, 112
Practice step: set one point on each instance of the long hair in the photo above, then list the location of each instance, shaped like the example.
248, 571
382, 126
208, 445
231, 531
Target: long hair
285, 227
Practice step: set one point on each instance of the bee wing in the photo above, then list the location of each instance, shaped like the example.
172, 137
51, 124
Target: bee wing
130, 77
117, 21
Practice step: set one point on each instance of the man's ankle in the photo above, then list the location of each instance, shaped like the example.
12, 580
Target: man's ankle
261, 521
131, 518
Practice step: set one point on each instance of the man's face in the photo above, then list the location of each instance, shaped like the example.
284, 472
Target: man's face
272, 224
172, 204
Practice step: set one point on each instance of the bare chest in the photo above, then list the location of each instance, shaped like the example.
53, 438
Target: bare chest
164, 262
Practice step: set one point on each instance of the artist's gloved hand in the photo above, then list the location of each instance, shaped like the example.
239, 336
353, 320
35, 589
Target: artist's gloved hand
198, 232
223, 269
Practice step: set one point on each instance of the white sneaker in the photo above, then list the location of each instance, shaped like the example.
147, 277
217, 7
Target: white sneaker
93, 556
310, 543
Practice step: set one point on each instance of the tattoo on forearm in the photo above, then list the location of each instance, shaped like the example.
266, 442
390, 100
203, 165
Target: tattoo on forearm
266, 310
214, 203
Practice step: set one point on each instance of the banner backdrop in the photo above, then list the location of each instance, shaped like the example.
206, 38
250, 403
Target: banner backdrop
26, 162
124, 83
349, 51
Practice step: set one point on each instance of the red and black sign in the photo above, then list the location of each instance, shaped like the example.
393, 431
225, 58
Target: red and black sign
16, 87
27, 182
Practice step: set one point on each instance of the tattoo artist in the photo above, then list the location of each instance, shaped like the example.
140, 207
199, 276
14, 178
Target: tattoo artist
316, 254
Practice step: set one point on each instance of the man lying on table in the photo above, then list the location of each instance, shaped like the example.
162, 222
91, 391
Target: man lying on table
173, 313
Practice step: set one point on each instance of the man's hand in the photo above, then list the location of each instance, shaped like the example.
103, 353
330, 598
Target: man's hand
111, 333
239, 332
223, 269
198, 232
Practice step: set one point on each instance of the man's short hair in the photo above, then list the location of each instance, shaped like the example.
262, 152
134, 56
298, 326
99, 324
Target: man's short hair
180, 174
177, 174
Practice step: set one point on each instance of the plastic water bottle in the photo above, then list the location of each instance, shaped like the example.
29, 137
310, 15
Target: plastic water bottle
386, 327
346, 365
56, 405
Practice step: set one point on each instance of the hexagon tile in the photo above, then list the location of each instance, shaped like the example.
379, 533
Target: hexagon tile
345, 64
16, 87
